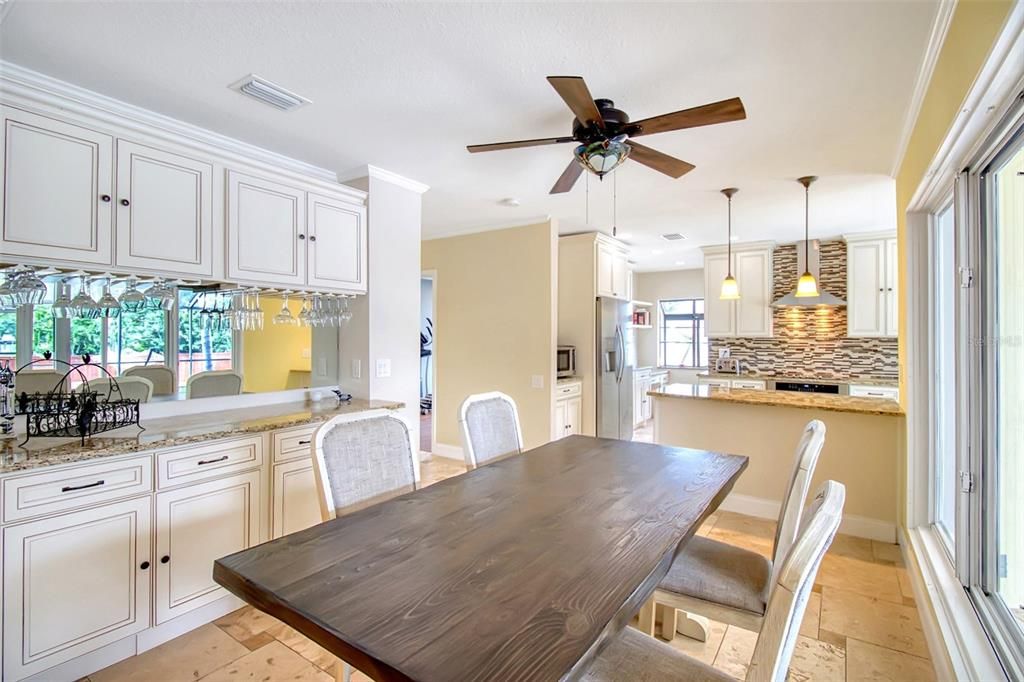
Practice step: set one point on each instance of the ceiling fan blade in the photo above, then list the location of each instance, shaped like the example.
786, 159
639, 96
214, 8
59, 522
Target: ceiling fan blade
473, 148
568, 178
574, 90
663, 163
717, 112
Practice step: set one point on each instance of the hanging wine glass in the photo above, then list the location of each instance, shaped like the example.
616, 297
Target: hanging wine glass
108, 304
7, 291
257, 310
29, 288
83, 305
133, 300
346, 314
305, 314
285, 316
62, 303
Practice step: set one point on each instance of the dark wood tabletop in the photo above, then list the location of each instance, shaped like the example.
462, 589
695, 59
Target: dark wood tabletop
519, 570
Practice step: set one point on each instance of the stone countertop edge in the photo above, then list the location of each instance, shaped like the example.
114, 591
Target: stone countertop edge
877, 381
168, 432
807, 401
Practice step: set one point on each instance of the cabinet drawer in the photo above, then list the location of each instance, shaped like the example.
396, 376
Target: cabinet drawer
48, 492
749, 385
199, 462
887, 392
567, 391
293, 443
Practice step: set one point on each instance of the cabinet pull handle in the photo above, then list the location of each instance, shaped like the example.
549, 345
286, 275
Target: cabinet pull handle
302, 236
164, 559
144, 565
304, 442
211, 461
105, 198
70, 488
124, 202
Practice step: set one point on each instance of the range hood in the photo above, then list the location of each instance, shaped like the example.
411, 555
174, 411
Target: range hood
814, 267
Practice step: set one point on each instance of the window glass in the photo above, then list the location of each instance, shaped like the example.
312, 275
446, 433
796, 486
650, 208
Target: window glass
8, 338
135, 338
86, 339
944, 380
201, 346
682, 340
44, 332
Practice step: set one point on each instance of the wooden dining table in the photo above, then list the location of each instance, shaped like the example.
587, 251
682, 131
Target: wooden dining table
523, 569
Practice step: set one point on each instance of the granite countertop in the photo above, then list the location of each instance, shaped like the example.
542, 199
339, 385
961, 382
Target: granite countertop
810, 401
172, 431
566, 381
869, 381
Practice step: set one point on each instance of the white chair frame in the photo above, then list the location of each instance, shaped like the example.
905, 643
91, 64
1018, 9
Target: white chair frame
141, 370
467, 444
213, 372
666, 603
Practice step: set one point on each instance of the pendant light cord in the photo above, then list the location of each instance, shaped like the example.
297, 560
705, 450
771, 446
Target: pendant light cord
728, 245
807, 227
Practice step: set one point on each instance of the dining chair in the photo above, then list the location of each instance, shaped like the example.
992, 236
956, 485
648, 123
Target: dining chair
360, 460
134, 388
635, 656
489, 423
216, 382
161, 376
38, 381
727, 583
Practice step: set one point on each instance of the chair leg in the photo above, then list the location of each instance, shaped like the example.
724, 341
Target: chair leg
667, 619
646, 624
693, 626
343, 672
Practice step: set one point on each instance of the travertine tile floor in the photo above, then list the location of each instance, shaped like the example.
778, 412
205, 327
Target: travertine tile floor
861, 624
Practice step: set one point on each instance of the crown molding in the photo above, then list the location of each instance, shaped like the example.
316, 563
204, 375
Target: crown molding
868, 236
25, 88
490, 227
384, 175
940, 27
739, 246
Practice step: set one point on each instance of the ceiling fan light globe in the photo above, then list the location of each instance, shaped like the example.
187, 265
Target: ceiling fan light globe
601, 158
730, 289
807, 286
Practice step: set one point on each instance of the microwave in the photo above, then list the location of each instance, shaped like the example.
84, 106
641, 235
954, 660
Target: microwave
565, 361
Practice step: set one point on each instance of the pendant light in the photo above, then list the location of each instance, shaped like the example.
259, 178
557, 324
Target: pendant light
730, 289
807, 286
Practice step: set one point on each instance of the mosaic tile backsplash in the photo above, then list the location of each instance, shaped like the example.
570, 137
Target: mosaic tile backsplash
811, 342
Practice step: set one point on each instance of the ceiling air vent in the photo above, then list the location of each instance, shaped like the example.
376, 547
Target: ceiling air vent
673, 237
269, 93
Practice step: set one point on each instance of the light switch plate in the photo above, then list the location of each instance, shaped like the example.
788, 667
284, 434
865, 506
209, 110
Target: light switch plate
537, 381
383, 368
357, 369
307, 353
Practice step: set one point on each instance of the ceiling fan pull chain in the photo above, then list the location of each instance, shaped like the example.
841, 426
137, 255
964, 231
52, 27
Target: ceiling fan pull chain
615, 203
588, 199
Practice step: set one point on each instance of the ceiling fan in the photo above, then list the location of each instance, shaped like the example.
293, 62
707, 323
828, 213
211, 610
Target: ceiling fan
602, 131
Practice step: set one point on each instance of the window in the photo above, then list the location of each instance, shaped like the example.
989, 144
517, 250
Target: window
135, 338
202, 346
682, 339
8, 338
943, 335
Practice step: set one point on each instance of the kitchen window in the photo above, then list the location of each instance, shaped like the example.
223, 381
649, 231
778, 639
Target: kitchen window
682, 337
203, 345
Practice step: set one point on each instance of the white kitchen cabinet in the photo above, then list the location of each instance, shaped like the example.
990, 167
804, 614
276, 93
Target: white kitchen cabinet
337, 244
886, 392
164, 208
751, 315
871, 276
57, 190
641, 401
296, 503
749, 384
195, 525
266, 237
568, 413
613, 275
73, 583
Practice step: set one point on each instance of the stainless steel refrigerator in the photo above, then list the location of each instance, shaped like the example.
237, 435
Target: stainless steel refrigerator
615, 362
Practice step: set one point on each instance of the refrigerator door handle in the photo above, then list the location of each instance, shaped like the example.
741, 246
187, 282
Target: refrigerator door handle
622, 354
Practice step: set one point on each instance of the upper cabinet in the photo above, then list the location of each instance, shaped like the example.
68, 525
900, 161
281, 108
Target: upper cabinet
613, 275
57, 187
164, 206
266, 231
751, 315
337, 243
871, 285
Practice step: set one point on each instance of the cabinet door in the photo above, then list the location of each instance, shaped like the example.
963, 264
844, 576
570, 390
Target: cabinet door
719, 315
892, 324
865, 288
57, 190
337, 244
573, 414
74, 583
620, 277
167, 224
296, 503
194, 526
753, 272
605, 270
266, 231
560, 425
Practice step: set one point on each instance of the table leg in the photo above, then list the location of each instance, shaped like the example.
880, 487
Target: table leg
693, 626
342, 672
646, 615
667, 619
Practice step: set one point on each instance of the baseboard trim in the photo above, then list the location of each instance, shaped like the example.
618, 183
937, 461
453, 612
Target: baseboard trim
86, 664
860, 526
448, 451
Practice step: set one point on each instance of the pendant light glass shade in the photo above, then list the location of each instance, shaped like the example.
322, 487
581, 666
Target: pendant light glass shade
601, 158
807, 286
730, 288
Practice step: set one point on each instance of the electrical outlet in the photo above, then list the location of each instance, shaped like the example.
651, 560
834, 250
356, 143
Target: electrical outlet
307, 353
321, 367
383, 368
357, 369
537, 381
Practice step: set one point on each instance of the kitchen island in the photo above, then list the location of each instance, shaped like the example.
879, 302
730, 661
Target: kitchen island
863, 445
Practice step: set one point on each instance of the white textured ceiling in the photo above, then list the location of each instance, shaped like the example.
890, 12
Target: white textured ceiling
406, 86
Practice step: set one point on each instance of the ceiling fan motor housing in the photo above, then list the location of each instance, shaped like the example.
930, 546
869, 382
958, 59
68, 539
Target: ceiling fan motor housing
615, 123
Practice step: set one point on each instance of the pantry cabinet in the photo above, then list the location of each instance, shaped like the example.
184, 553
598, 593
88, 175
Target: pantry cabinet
73, 583
58, 189
872, 296
164, 208
751, 315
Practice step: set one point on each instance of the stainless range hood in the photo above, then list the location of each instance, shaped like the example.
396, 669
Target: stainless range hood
814, 267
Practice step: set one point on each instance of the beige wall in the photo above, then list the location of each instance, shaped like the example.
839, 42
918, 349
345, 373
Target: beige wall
494, 323
652, 286
862, 451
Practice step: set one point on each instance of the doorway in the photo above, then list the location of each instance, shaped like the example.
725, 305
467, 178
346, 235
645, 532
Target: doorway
427, 361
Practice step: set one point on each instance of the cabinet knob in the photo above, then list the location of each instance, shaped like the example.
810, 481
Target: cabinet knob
105, 198
302, 236
312, 237
164, 559
144, 565
124, 202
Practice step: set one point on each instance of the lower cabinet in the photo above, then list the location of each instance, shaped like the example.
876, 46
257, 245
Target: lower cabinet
568, 412
74, 583
195, 525
296, 501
